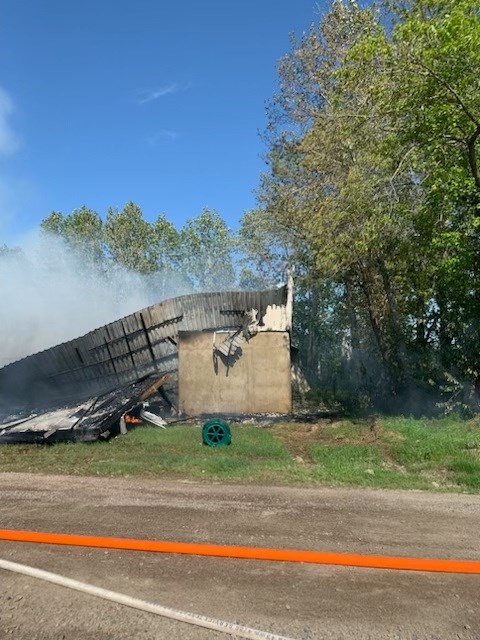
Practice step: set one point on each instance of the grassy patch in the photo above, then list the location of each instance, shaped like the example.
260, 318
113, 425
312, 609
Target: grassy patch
448, 446
387, 452
149, 451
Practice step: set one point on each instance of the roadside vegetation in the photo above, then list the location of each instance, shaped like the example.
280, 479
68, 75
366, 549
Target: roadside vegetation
393, 453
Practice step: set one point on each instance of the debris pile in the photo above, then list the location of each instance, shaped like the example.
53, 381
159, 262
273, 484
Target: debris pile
95, 385
100, 417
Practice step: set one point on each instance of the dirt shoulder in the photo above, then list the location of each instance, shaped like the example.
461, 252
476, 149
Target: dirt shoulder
297, 600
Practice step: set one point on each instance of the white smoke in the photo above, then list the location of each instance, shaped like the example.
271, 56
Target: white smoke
51, 293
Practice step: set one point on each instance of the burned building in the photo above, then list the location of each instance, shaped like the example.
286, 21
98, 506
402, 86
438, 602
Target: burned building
224, 352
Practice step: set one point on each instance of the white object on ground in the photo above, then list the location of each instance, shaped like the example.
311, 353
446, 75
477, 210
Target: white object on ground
174, 614
158, 421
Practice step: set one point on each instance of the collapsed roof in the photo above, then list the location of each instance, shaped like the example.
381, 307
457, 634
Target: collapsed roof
123, 352
98, 417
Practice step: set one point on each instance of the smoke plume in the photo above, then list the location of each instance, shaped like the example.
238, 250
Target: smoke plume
51, 293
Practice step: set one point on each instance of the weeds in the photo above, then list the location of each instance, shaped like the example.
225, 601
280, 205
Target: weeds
400, 453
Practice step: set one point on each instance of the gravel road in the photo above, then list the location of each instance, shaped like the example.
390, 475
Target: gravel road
296, 600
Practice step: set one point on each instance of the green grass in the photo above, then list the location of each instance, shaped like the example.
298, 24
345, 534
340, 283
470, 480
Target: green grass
149, 451
440, 455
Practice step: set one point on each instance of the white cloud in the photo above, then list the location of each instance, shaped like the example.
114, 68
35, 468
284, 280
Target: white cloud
9, 141
149, 96
162, 135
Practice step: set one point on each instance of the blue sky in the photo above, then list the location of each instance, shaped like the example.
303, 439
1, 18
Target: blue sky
156, 101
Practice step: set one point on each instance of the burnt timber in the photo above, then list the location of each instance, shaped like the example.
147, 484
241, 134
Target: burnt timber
93, 419
124, 352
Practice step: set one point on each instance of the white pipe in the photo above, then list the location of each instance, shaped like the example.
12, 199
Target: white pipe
175, 614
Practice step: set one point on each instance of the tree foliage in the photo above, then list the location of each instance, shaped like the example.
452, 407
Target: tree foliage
130, 240
82, 230
373, 176
198, 257
206, 252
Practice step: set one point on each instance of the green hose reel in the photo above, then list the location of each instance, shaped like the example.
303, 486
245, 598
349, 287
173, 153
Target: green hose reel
216, 433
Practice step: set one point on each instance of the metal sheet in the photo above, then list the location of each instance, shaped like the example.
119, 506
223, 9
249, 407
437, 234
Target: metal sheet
118, 353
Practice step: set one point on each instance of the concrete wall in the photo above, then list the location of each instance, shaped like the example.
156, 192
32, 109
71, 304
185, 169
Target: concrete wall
258, 380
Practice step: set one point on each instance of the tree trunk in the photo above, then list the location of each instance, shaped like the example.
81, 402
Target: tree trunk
352, 316
374, 319
443, 340
397, 338
420, 333
472, 157
357, 366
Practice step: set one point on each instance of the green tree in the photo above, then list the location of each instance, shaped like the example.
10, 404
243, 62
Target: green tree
168, 279
82, 230
335, 182
206, 252
427, 83
265, 253
373, 171
130, 240
167, 244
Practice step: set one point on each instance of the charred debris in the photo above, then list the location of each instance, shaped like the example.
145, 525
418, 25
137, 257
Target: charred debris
101, 417
97, 385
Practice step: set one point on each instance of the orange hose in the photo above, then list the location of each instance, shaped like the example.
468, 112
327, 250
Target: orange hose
252, 553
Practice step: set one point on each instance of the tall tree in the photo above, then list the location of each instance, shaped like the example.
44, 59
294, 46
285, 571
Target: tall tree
130, 239
373, 168
206, 252
427, 83
82, 230
335, 182
434, 56
265, 252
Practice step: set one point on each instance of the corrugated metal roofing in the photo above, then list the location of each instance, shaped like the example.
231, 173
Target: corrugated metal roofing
118, 353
